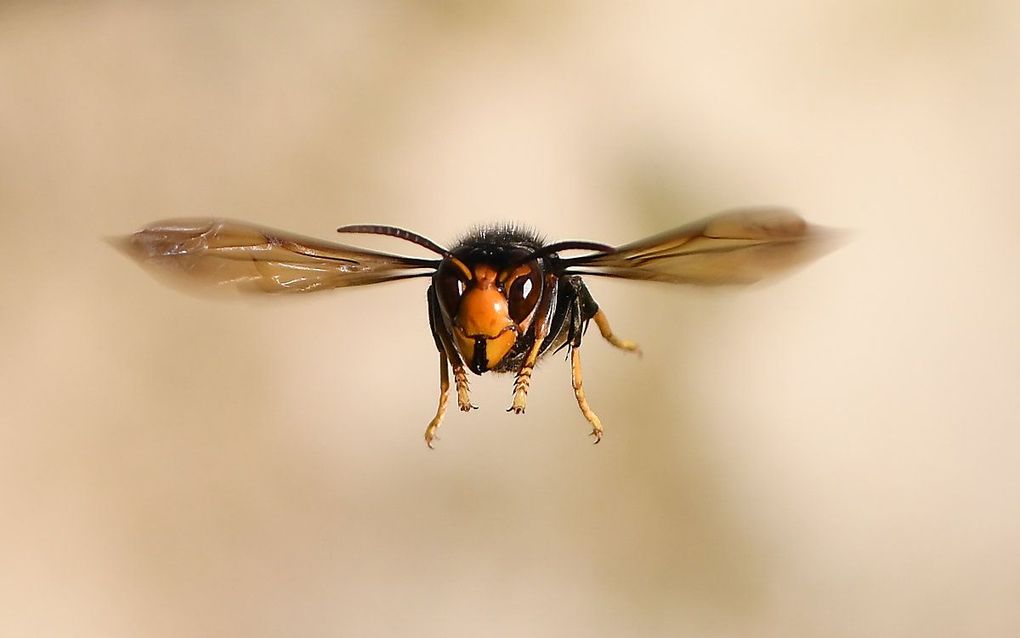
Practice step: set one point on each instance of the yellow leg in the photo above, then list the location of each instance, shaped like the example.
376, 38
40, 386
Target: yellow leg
523, 381
463, 395
541, 331
444, 388
607, 333
582, 401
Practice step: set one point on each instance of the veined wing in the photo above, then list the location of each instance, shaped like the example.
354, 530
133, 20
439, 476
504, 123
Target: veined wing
735, 247
237, 255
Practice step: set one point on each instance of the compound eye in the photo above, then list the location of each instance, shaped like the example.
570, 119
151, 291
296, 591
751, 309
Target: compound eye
450, 286
523, 292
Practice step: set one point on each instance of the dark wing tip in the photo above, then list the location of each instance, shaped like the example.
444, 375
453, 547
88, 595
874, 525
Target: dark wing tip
121, 243
142, 245
826, 239
139, 246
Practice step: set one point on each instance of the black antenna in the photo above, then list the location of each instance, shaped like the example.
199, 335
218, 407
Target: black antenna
571, 245
399, 233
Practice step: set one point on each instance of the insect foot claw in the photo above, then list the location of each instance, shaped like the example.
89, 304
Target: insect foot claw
430, 435
520, 402
598, 436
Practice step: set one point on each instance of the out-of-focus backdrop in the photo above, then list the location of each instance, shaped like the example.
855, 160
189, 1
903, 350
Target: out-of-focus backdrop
832, 455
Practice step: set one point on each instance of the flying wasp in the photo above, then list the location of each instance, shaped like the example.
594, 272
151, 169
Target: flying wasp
500, 298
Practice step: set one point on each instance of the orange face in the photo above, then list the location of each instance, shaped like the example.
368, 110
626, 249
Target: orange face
489, 309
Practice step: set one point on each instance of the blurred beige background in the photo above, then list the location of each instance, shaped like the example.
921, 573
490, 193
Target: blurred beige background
833, 455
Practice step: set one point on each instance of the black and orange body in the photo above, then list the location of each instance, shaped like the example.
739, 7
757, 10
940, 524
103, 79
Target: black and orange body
501, 297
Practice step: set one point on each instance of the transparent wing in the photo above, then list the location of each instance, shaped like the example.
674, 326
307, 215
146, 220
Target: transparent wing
236, 255
735, 247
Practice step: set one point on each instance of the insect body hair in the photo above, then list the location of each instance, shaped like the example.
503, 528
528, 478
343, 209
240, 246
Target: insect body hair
502, 234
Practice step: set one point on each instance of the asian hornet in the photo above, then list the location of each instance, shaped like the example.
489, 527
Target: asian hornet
500, 298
